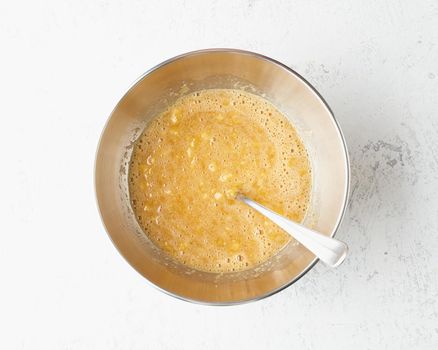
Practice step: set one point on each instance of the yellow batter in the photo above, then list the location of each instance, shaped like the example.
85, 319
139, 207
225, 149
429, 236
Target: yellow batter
192, 159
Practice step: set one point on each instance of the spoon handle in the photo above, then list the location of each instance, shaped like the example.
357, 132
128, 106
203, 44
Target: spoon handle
329, 250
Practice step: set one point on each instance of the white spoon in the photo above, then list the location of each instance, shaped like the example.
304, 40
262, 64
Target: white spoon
329, 250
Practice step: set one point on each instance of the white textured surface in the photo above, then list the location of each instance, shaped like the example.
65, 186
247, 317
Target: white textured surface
63, 67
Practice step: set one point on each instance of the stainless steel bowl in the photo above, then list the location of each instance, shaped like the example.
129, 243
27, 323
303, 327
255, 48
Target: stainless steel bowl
220, 68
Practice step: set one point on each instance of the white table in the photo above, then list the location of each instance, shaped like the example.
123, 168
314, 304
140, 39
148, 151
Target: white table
63, 67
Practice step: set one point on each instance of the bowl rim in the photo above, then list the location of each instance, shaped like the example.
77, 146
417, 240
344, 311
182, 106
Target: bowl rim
333, 118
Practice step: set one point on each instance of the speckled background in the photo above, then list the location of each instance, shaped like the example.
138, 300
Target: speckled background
64, 65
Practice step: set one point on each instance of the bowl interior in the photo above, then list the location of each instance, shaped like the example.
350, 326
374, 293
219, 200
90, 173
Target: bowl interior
220, 69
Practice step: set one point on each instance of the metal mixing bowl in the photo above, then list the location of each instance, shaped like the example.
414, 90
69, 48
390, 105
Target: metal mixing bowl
220, 68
